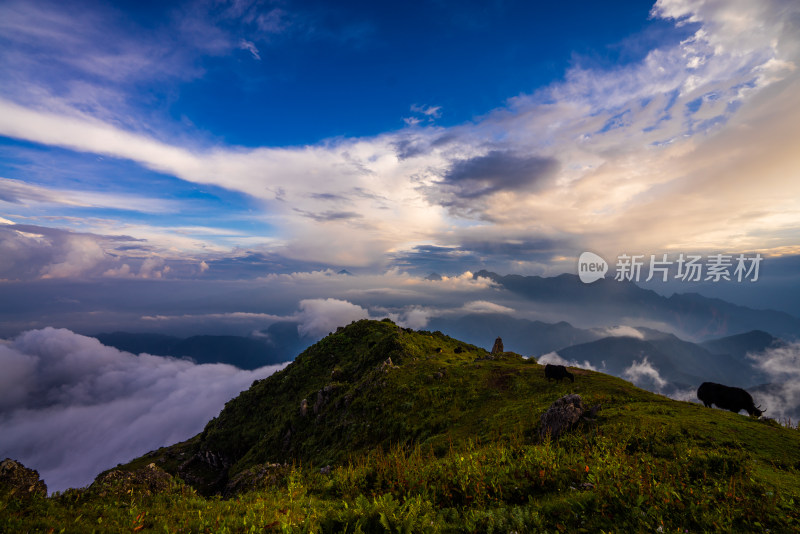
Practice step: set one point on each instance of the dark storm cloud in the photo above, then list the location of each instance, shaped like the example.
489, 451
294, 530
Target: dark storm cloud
520, 249
425, 259
498, 255
498, 171
71, 407
329, 215
326, 196
410, 147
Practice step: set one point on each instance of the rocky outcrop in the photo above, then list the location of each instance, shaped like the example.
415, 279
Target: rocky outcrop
258, 477
148, 480
564, 414
497, 348
206, 471
387, 365
18, 481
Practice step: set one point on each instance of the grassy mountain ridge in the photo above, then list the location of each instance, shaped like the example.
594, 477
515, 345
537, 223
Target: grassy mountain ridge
373, 384
425, 433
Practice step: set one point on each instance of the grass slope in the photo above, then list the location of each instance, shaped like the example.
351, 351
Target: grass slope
442, 439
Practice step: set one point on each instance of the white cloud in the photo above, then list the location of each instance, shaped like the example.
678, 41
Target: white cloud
318, 317
415, 317
645, 375
465, 280
781, 399
79, 254
224, 317
429, 112
153, 267
250, 47
484, 306
20, 192
780, 363
123, 271
623, 331
71, 407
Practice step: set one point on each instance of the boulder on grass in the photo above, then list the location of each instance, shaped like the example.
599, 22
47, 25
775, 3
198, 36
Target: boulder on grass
564, 414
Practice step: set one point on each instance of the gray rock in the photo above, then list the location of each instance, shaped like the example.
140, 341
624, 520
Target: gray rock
387, 365
563, 414
497, 348
18, 481
257, 477
147, 480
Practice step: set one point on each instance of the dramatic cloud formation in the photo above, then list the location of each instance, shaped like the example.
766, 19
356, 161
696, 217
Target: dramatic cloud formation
680, 149
781, 398
496, 171
71, 407
645, 375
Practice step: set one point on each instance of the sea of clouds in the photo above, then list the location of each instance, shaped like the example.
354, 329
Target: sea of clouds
71, 407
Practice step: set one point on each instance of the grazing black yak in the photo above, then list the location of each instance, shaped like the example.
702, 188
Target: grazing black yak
557, 372
727, 398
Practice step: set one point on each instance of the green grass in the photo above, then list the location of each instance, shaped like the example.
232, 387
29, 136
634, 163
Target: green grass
446, 441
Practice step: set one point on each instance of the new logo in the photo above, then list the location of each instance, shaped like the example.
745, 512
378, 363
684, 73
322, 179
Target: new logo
591, 267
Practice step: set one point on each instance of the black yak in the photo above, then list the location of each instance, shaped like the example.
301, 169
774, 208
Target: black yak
557, 372
727, 398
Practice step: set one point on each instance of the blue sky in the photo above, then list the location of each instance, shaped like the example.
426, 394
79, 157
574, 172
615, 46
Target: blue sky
233, 140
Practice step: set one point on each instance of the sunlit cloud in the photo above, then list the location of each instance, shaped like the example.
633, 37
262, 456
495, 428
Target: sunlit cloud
682, 149
623, 331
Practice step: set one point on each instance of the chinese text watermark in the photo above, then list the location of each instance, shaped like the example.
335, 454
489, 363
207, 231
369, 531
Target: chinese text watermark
683, 267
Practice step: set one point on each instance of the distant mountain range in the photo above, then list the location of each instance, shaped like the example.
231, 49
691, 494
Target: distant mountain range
520, 335
278, 343
680, 363
691, 314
